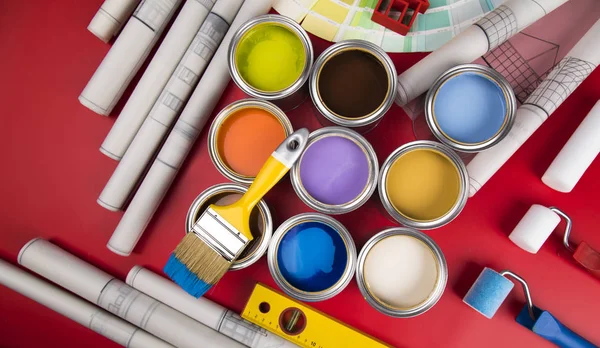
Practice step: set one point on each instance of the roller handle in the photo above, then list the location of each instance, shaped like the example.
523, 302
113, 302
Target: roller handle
588, 258
549, 328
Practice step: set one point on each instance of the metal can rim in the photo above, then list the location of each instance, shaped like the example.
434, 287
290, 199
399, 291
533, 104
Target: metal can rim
289, 24
359, 200
493, 75
262, 207
347, 45
304, 295
222, 116
440, 285
458, 205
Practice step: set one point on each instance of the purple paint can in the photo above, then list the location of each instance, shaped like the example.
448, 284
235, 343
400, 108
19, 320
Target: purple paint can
338, 171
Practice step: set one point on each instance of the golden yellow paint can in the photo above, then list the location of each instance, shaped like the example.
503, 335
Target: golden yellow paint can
423, 184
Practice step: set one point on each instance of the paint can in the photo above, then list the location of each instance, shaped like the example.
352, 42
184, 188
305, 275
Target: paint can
401, 272
423, 184
470, 108
243, 136
261, 222
338, 171
270, 57
312, 257
353, 84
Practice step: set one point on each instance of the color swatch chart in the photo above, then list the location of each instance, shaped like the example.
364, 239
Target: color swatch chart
337, 20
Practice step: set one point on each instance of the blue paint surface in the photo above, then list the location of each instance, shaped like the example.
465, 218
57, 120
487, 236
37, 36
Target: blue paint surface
470, 108
488, 292
312, 256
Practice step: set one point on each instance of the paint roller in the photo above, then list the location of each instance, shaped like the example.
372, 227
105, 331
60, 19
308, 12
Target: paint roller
491, 289
537, 225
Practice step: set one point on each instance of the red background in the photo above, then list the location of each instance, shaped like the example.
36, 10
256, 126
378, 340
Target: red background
53, 173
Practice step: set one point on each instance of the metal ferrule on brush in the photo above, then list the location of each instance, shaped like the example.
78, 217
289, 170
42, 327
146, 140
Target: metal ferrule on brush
220, 235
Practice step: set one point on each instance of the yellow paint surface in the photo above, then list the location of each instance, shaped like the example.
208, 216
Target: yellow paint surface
270, 57
423, 184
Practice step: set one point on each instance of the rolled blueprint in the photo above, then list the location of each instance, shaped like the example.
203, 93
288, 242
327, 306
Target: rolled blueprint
203, 310
110, 18
181, 139
545, 99
76, 309
492, 30
577, 154
168, 106
178, 39
96, 286
127, 55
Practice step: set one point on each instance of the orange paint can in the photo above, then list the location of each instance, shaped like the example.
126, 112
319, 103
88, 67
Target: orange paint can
243, 136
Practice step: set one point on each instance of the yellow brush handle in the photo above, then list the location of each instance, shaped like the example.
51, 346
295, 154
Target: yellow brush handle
276, 166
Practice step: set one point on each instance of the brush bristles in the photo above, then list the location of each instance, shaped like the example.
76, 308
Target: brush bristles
201, 260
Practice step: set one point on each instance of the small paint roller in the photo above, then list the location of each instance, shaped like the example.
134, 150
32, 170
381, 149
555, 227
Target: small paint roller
491, 289
537, 225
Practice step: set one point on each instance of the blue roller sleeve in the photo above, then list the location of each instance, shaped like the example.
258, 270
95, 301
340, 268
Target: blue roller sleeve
488, 292
549, 328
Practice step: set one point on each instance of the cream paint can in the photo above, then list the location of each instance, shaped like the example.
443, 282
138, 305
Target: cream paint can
261, 222
401, 272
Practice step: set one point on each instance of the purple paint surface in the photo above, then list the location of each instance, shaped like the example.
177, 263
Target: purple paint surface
334, 170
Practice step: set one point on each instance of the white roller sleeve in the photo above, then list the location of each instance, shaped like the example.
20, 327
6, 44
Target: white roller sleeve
77, 309
181, 139
577, 154
492, 30
568, 74
127, 55
203, 310
146, 92
166, 109
96, 286
534, 228
110, 18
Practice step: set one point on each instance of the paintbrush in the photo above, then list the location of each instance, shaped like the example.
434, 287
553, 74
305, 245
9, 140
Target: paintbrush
222, 232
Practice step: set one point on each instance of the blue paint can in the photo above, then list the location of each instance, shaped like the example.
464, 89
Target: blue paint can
312, 257
470, 108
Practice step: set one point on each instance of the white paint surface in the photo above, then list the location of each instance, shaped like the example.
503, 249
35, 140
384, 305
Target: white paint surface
401, 271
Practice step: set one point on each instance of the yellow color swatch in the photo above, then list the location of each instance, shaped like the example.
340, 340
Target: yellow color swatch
423, 184
331, 10
320, 26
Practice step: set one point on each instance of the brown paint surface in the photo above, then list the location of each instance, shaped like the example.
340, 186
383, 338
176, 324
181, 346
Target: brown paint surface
246, 139
353, 83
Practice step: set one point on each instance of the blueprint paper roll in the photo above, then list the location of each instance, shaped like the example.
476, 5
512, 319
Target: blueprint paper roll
83, 279
492, 30
127, 55
545, 99
174, 45
181, 139
76, 309
577, 154
110, 18
168, 106
203, 310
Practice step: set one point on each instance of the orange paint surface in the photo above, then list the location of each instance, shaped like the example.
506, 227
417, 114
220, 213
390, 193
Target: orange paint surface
246, 139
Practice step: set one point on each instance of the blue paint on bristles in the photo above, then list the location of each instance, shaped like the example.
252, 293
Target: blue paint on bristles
183, 277
488, 292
